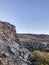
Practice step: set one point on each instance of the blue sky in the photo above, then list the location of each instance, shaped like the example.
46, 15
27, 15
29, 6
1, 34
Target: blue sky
29, 16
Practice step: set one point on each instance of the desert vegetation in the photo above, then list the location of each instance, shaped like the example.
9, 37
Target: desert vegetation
40, 58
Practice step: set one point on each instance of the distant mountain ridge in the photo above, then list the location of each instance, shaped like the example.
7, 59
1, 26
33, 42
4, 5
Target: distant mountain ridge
42, 37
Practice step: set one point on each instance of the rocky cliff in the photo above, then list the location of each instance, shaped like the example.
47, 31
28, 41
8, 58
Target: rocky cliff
8, 30
11, 52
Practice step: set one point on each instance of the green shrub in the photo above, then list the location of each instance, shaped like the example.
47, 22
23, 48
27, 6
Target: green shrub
40, 58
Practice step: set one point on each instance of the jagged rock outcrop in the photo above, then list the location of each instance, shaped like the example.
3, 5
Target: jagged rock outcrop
8, 30
11, 52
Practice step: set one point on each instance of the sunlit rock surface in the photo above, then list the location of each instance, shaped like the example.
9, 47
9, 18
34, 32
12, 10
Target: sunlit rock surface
11, 52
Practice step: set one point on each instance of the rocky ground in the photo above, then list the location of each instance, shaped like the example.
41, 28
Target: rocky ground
35, 41
11, 51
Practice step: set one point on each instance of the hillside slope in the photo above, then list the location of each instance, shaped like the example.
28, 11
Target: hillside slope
36, 37
11, 52
34, 41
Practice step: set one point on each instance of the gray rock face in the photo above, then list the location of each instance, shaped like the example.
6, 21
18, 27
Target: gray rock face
11, 52
8, 30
